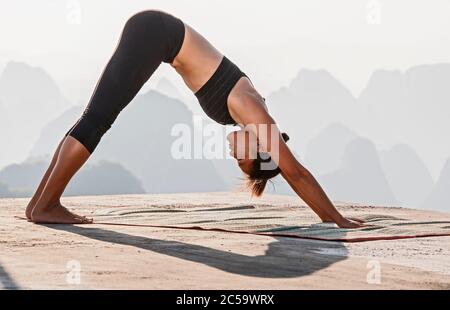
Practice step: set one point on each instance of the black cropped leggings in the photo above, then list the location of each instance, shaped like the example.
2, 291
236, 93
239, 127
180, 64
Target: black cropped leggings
148, 38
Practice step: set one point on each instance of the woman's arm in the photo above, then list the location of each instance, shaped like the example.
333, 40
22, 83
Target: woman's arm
298, 177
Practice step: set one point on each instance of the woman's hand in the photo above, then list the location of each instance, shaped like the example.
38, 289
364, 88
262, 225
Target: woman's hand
350, 223
357, 220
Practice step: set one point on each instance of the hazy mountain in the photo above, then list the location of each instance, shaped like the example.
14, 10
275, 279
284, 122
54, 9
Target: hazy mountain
407, 175
31, 99
4, 128
102, 178
4, 137
31, 94
313, 101
53, 132
439, 198
309, 85
410, 107
5, 192
395, 107
360, 177
3, 115
24, 176
166, 87
324, 152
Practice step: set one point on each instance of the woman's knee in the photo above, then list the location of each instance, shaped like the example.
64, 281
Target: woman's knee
89, 131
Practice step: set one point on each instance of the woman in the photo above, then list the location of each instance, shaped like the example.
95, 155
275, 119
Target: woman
225, 93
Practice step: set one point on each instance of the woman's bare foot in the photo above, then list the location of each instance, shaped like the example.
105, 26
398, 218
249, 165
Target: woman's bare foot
326, 220
57, 214
29, 209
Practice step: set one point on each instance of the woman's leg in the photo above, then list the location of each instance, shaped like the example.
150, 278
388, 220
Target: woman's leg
140, 51
48, 208
41, 186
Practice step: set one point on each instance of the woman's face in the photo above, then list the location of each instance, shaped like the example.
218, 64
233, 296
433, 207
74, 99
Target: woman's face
243, 147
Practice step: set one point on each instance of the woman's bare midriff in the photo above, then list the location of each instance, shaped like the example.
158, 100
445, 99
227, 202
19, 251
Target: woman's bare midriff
197, 59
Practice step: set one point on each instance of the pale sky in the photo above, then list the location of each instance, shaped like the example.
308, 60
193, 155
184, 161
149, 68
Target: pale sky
270, 40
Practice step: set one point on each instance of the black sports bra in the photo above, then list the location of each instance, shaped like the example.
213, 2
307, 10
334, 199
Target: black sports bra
213, 95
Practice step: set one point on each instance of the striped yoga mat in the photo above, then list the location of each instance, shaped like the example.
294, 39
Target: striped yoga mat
284, 221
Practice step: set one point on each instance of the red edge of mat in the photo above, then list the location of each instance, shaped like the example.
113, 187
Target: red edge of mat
349, 240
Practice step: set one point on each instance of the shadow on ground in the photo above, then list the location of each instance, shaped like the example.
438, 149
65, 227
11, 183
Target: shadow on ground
284, 258
6, 281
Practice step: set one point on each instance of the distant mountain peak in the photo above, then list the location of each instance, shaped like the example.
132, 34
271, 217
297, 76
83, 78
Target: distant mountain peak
166, 87
445, 173
324, 151
360, 148
407, 174
429, 67
320, 84
15, 69
439, 198
320, 75
382, 82
23, 84
337, 126
360, 177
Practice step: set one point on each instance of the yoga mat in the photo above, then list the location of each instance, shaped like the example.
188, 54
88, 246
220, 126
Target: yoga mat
268, 220
282, 221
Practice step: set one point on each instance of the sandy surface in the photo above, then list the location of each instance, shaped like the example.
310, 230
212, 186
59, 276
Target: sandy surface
100, 257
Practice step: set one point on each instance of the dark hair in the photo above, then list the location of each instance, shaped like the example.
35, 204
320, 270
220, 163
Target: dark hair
257, 179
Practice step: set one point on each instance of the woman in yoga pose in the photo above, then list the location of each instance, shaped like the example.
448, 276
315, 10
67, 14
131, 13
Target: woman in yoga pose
225, 93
